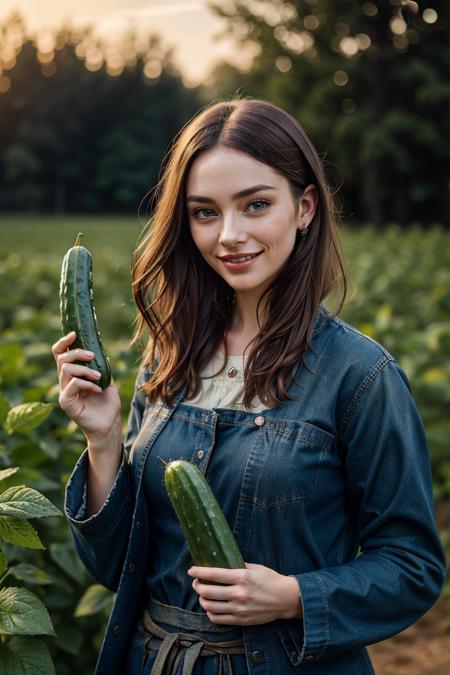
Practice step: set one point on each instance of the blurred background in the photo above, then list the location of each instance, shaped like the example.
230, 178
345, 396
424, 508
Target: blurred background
91, 96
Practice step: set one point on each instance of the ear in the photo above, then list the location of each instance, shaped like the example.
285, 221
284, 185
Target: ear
307, 206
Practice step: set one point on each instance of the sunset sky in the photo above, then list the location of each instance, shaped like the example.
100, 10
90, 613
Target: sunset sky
187, 25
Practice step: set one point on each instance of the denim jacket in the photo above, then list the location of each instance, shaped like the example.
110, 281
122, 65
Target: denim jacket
337, 493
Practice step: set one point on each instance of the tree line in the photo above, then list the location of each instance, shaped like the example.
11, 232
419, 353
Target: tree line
367, 80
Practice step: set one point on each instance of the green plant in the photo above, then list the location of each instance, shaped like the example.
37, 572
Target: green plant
22, 612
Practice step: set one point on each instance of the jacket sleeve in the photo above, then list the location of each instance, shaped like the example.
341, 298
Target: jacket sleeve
400, 569
101, 540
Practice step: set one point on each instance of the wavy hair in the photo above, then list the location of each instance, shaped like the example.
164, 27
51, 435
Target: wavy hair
184, 306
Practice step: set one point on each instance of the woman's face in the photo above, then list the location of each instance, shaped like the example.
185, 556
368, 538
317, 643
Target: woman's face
262, 221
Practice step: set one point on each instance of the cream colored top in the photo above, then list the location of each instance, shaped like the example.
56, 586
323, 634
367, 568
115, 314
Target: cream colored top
224, 390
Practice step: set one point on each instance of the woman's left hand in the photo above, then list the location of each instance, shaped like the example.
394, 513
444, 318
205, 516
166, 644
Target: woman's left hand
248, 597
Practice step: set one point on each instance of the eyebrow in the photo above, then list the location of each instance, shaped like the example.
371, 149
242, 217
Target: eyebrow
242, 193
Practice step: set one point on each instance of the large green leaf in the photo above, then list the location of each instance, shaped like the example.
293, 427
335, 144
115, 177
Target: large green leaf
94, 600
27, 416
24, 502
22, 613
19, 532
25, 656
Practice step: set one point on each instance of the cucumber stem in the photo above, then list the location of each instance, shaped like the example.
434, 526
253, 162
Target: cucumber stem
79, 238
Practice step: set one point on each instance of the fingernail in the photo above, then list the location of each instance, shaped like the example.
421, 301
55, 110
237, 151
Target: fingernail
89, 353
71, 334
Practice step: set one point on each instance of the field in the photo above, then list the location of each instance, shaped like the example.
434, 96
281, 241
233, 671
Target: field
399, 295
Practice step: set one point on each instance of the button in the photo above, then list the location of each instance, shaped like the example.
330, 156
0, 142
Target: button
256, 656
131, 568
138, 525
232, 372
116, 631
200, 454
259, 421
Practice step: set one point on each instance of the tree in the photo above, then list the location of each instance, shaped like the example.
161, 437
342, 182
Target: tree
367, 80
84, 128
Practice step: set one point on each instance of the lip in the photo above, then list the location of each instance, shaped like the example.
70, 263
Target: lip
235, 266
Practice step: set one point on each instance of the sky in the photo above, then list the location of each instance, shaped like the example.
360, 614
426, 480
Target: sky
186, 25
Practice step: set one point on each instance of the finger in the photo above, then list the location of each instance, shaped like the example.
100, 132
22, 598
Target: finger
219, 574
224, 619
214, 606
63, 344
70, 370
75, 386
73, 355
221, 592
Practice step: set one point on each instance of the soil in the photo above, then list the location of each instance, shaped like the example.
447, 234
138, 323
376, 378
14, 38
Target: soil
424, 647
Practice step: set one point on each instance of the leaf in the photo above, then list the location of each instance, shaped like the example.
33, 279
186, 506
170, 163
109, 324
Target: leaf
22, 613
6, 473
30, 574
4, 407
12, 362
25, 656
19, 532
27, 416
27, 453
67, 559
24, 502
94, 600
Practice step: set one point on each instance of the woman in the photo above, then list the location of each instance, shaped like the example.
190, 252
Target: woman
304, 427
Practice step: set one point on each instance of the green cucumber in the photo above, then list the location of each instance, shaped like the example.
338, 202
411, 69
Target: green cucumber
210, 539
77, 309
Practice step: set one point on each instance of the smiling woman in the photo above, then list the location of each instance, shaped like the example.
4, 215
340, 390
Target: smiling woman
261, 186
315, 451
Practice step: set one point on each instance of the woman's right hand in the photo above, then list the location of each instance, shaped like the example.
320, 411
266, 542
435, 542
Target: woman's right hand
95, 411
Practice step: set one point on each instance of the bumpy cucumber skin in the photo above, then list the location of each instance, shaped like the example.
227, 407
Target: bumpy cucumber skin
78, 312
208, 534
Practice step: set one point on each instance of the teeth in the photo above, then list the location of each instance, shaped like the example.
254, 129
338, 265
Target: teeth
238, 260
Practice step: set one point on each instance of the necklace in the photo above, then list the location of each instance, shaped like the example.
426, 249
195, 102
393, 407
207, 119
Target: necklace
232, 371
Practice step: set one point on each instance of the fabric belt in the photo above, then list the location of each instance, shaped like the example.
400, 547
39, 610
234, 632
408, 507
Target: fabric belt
171, 647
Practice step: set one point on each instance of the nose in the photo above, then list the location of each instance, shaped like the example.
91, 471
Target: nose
232, 232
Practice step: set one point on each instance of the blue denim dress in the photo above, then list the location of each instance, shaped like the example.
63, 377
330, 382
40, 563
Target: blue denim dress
333, 488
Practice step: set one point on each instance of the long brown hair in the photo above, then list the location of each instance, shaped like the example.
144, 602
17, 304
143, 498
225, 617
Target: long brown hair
186, 306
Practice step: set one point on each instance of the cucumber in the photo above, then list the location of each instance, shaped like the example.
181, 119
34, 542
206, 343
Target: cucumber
210, 539
77, 309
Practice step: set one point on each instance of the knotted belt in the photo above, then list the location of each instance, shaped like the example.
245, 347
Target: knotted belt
172, 646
